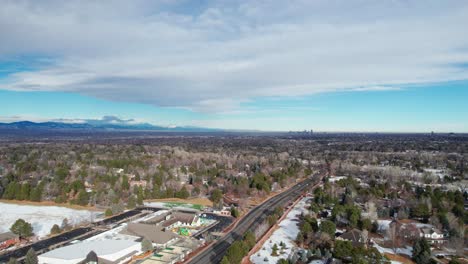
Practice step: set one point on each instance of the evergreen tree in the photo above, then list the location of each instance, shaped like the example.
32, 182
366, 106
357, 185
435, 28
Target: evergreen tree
108, 212
125, 184
236, 252
22, 228
12, 261
421, 251
36, 194
55, 230
25, 190
328, 227
131, 202
249, 239
10, 192
282, 245
300, 238
234, 212
31, 257
274, 250
343, 249
140, 197
216, 197
183, 193
225, 260
83, 198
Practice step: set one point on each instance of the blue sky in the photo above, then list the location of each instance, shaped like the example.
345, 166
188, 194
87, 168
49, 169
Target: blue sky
438, 107
267, 65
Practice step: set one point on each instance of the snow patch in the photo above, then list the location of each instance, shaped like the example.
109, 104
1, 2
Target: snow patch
336, 178
383, 224
286, 233
42, 218
404, 251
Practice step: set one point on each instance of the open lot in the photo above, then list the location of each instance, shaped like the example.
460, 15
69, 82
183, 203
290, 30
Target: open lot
42, 218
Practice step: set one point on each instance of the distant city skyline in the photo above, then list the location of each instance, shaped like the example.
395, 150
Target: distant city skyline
367, 66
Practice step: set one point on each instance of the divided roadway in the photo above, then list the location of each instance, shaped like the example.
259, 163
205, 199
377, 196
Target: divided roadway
214, 253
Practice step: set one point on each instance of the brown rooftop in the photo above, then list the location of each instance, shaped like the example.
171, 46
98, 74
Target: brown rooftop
178, 216
154, 233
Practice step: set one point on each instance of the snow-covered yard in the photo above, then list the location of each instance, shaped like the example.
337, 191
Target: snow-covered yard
405, 251
336, 178
286, 233
42, 218
383, 224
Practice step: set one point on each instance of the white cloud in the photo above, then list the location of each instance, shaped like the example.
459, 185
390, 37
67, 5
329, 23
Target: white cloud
96, 121
226, 53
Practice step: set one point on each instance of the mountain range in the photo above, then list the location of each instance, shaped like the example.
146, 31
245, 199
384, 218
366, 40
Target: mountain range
95, 125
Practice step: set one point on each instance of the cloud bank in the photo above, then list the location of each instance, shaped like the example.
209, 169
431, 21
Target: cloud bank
214, 56
105, 120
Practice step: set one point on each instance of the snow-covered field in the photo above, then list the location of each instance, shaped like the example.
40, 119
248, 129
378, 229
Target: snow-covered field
42, 218
286, 233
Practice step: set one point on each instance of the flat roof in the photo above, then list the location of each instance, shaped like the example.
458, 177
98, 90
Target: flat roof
80, 250
150, 232
175, 250
155, 261
165, 256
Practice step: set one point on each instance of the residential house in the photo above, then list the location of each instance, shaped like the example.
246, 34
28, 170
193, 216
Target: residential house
432, 235
357, 237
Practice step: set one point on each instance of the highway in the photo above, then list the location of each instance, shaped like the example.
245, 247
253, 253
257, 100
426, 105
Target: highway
215, 252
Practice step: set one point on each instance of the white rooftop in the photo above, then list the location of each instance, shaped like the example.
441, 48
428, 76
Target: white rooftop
107, 248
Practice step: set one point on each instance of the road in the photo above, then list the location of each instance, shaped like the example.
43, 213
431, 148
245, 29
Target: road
222, 223
252, 220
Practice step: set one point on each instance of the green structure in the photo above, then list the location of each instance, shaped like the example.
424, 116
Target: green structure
183, 231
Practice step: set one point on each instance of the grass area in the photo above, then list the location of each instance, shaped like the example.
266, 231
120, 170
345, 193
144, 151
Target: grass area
51, 203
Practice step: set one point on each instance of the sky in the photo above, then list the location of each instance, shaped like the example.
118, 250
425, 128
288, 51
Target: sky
340, 65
